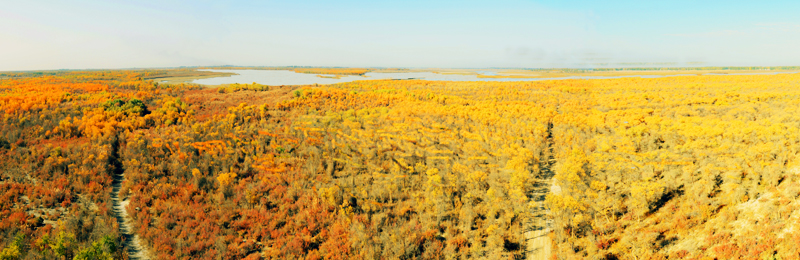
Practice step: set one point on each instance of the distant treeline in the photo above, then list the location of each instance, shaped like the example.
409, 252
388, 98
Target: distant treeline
76, 74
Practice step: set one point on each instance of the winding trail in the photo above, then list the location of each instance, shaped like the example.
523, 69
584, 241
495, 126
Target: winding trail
539, 225
131, 243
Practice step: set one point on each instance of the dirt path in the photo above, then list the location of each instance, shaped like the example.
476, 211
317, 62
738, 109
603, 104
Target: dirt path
538, 226
132, 243
539, 243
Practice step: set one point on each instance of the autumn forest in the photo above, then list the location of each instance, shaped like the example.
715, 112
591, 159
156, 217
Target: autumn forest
112, 164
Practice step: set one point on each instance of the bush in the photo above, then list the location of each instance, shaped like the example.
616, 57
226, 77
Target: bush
130, 107
4, 144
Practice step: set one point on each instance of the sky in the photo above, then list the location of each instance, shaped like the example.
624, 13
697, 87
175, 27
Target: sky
84, 34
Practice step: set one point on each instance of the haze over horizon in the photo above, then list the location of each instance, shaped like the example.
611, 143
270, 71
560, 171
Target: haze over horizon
85, 34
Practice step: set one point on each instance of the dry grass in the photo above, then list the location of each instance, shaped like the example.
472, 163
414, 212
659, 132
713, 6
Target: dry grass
176, 77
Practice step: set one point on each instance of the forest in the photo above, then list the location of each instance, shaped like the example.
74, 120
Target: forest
687, 167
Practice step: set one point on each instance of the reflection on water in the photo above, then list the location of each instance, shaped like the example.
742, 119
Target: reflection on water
286, 77
487, 73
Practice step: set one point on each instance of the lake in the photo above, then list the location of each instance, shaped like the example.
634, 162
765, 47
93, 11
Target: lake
287, 77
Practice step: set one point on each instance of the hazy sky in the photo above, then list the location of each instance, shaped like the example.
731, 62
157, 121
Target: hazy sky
122, 34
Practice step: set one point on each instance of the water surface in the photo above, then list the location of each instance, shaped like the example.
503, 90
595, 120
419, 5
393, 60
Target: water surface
287, 77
